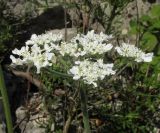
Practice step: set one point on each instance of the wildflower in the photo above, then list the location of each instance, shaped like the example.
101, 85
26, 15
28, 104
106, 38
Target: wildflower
16, 61
89, 44
68, 48
90, 71
128, 50
33, 55
47, 38
91, 36
38, 51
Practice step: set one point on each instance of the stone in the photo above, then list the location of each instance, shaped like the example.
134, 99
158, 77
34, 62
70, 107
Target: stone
71, 32
32, 121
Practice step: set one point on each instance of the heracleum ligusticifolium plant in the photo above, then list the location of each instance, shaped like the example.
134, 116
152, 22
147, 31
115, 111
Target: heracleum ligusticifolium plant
43, 51
40, 50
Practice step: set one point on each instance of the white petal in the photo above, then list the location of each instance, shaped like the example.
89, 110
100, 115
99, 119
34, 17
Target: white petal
29, 42
109, 46
77, 62
95, 84
13, 59
49, 56
147, 57
76, 77
118, 49
34, 36
74, 70
15, 51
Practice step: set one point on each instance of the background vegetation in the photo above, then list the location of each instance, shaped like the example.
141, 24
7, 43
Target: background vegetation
128, 102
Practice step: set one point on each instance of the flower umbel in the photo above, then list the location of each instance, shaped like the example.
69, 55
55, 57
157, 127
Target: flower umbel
38, 51
89, 44
90, 71
128, 50
47, 38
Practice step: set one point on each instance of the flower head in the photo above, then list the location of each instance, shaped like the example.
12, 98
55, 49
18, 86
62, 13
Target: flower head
128, 50
47, 38
37, 52
90, 71
89, 44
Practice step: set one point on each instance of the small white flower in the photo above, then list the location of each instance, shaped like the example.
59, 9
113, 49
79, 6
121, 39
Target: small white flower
35, 55
90, 72
17, 61
128, 50
38, 51
75, 71
68, 48
89, 44
47, 38
147, 57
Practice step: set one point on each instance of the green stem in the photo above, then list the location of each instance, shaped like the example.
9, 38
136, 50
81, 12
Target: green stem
5, 103
84, 109
58, 73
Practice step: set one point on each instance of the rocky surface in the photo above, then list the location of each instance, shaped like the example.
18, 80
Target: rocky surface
35, 120
71, 32
2, 128
22, 8
132, 10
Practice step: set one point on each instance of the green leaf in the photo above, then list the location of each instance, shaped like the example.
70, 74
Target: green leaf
57, 73
132, 115
143, 67
145, 18
149, 41
133, 30
133, 27
133, 23
158, 50
155, 60
156, 24
155, 11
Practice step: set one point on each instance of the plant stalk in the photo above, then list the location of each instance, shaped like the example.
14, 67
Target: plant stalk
83, 97
5, 103
58, 73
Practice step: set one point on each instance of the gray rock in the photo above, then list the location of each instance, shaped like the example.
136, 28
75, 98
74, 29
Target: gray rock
30, 122
71, 32
2, 128
130, 12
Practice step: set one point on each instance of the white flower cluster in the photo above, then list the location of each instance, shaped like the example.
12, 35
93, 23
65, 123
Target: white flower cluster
90, 71
68, 48
128, 50
91, 37
89, 44
47, 38
40, 51
37, 51
33, 56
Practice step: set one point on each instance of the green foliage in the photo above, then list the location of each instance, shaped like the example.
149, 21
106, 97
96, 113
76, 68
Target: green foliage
155, 11
5, 35
108, 12
149, 41
5, 28
148, 30
5, 102
140, 91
